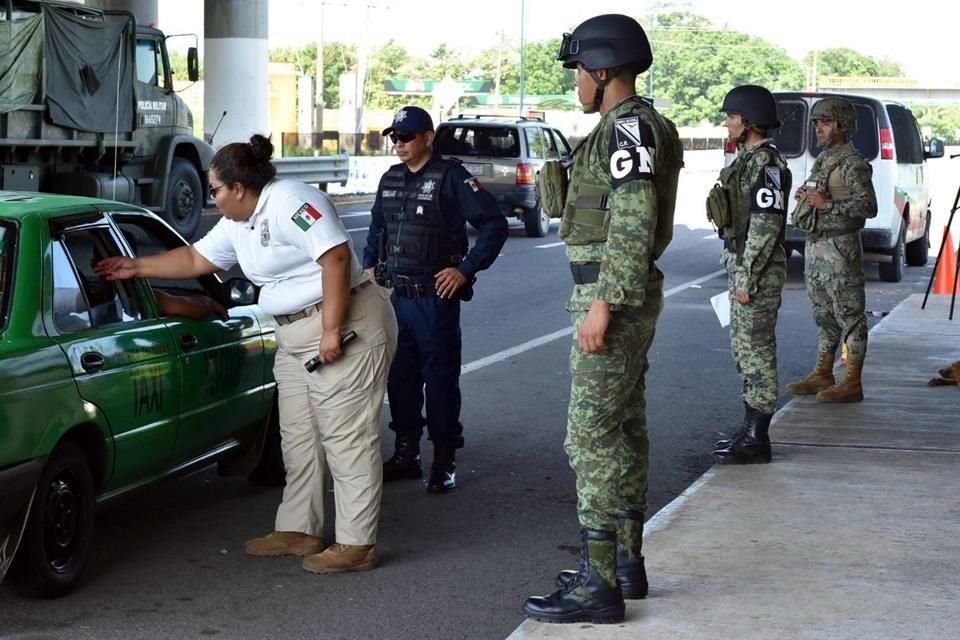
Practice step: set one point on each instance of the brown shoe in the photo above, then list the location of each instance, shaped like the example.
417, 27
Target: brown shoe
339, 558
850, 390
819, 379
284, 543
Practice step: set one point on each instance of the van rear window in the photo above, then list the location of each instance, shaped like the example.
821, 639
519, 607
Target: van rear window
7, 235
867, 138
493, 142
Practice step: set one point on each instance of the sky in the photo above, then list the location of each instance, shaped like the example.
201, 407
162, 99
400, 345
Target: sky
917, 35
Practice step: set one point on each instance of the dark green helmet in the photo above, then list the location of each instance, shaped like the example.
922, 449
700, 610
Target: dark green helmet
837, 109
754, 103
606, 42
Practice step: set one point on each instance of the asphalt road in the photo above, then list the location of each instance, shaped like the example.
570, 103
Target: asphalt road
169, 559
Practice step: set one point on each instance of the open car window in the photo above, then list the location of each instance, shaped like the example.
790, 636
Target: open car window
81, 298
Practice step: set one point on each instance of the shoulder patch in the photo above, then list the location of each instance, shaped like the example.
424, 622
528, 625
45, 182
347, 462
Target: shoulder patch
632, 151
766, 195
306, 216
473, 183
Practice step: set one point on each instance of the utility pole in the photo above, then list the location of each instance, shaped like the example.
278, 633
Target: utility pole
523, 51
318, 90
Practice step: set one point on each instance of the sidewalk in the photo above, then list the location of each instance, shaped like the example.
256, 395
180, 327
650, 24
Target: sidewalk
852, 532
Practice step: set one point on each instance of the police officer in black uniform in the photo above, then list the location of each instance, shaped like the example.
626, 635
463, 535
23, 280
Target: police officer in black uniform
418, 236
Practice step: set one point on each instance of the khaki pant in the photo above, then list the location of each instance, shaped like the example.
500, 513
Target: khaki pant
331, 418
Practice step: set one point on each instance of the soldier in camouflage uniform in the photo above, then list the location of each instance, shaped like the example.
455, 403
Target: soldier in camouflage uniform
748, 206
617, 219
833, 206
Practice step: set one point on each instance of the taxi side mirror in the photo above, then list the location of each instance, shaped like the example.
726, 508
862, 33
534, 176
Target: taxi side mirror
241, 292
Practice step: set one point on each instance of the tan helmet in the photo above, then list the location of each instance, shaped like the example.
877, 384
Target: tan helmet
837, 109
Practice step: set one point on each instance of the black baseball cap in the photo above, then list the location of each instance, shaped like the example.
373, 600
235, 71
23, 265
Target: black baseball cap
410, 120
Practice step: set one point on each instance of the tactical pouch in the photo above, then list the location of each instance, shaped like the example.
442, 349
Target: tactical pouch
552, 187
719, 211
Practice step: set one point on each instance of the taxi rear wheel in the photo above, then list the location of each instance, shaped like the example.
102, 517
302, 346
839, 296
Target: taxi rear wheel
58, 540
270, 470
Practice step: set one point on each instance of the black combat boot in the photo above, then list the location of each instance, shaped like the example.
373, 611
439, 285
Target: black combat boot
405, 463
744, 427
443, 472
752, 445
631, 572
592, 595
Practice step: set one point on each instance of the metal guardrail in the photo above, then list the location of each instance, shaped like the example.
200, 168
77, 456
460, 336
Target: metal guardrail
315, 169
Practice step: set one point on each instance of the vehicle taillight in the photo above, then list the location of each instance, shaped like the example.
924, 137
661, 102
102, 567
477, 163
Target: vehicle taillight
524, 173
886, 144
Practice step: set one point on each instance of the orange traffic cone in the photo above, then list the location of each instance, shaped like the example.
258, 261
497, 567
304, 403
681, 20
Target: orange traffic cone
944, 282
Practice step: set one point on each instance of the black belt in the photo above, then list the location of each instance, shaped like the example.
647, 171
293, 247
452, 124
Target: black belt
585, 272
589, 272
287, 318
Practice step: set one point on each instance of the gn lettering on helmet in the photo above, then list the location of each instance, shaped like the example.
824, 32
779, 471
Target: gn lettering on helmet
633, 151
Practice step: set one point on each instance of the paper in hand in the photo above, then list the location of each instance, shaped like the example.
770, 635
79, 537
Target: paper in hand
721, 306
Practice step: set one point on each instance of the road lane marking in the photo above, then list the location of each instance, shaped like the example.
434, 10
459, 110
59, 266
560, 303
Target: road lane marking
354, 215
500, 356
358, 229
547, 246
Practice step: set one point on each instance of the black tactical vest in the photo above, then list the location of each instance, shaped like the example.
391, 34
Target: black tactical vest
419, 240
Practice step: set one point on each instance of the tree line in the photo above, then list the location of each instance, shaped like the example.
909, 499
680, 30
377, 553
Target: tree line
695, 64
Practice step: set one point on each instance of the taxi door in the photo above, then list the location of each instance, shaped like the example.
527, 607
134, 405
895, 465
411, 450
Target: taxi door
223, 390
124, 362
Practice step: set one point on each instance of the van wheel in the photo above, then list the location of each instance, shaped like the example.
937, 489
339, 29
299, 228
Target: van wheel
893, 271
184, 205
918, 250
58, 540
536, 221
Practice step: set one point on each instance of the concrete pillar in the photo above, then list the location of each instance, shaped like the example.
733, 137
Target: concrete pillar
235, 66
145, 11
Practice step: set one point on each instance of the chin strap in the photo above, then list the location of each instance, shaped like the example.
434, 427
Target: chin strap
601, 85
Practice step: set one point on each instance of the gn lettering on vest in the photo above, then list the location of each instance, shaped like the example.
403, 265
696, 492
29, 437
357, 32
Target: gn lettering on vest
632, 151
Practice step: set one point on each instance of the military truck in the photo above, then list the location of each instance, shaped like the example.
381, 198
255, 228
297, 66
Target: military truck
87, 107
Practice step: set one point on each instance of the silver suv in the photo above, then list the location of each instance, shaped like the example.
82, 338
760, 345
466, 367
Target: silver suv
506, 154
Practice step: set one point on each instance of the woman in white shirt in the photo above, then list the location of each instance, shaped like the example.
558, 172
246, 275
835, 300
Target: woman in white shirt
288, 239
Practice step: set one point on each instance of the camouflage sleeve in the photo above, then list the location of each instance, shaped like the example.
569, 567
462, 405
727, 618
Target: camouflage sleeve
764, 183
627, 253
857, 174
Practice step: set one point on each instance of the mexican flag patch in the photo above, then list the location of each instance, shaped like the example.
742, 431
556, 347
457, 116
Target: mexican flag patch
306, 216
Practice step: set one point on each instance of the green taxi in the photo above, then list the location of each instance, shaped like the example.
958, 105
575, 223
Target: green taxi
100, 392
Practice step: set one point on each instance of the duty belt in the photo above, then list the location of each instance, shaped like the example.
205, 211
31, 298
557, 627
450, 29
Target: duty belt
826, 235
410, 287
287, 318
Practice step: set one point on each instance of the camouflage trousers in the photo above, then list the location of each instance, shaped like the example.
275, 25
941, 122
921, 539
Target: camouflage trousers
753, 338
607, 437
834, 274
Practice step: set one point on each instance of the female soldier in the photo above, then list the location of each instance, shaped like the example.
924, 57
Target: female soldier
747, 205
289, 240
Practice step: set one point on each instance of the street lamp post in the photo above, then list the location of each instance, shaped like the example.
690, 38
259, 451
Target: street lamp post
523, 52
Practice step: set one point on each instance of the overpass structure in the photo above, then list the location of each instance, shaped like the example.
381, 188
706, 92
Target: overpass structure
897, 89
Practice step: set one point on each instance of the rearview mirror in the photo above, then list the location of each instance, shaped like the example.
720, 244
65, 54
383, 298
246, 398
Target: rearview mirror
934, 148
241, 292
193, 64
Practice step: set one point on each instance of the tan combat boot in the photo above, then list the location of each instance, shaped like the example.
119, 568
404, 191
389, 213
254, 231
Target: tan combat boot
284, 543
820, 379
339, 558
850, 390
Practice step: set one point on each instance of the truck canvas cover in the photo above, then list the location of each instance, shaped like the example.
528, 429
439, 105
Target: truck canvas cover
88, 66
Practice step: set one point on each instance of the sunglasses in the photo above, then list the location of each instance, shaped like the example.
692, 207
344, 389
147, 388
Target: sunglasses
402, 137
214, 189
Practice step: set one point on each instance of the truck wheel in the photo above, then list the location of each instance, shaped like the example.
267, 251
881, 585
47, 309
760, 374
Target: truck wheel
270, 471
893, 271
184, 198
536, 222
918, 250
58, 540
